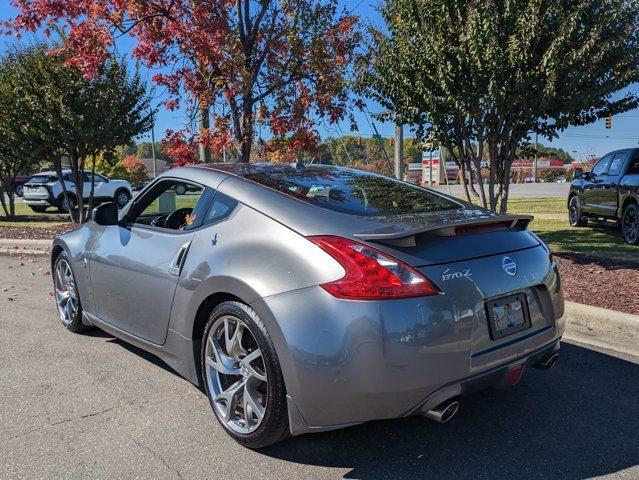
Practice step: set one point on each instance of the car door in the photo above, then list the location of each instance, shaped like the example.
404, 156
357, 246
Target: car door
100, 188
609, 196
593, 186
135, 266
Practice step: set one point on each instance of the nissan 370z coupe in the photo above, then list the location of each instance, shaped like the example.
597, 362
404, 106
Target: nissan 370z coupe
310, 298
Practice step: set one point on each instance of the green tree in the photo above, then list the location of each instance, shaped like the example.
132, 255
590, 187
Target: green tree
78, 117
20, 149
477, 76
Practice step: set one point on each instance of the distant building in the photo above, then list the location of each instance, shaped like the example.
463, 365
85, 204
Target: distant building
160, 165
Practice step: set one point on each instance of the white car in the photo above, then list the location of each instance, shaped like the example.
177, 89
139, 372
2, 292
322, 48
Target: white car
44, 190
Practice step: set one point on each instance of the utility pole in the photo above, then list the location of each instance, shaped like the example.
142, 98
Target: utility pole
536, 154
399, 151
155, 168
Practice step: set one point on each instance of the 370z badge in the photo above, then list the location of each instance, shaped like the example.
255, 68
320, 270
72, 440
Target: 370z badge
448, 275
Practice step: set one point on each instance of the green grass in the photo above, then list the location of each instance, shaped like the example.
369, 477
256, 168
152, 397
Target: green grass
25, 217
551, 224
537, 205
593, 240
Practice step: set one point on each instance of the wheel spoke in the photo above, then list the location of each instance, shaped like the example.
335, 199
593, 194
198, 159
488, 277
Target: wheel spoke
70, 309
246, 362
228, 399
252, 406
221, 361
63, 297
234, 341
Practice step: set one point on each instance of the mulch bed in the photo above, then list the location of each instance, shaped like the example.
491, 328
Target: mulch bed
601, 282
34, 233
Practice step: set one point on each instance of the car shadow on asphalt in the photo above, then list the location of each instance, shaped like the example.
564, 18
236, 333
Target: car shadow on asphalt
579, 420
576, 421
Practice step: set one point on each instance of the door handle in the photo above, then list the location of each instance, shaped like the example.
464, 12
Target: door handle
178, 261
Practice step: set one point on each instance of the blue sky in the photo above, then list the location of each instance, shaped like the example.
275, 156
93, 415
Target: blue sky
581, 142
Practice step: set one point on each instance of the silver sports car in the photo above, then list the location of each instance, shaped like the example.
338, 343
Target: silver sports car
309, 298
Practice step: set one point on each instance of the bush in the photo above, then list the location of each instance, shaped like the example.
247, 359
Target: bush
130, 168
551, 175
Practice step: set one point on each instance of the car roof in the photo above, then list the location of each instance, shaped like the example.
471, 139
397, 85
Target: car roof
244, 170
54, 173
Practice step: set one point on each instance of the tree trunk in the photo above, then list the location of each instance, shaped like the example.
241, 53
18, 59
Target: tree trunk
90, 209
2, 200
205, 124
77, 170
12, 202
57, 164
246, 137
464, 182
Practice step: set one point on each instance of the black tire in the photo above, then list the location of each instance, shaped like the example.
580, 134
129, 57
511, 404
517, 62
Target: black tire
630, 224
120, 197
274, 426
71, 206
75, 324
38, 209
575, 217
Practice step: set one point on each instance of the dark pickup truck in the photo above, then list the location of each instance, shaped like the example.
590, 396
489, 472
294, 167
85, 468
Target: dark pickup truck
610, 191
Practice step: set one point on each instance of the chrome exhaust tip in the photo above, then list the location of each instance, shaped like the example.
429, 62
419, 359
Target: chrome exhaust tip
548, 362
444, 411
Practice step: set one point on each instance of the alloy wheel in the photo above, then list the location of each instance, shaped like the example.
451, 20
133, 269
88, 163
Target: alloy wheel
573, 213
631, 225
236, 375
122, 199
69, 205
66, 296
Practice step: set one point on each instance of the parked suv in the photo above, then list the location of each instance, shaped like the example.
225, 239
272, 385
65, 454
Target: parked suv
610, 191
44, 190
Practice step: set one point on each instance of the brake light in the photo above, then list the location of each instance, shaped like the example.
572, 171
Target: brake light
370, 273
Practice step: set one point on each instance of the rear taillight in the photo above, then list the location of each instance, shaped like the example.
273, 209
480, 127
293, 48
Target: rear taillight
370, 273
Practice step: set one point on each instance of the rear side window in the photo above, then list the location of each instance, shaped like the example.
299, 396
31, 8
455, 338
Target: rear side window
602, 165
633, 166
616, 165
220, 209
348, 191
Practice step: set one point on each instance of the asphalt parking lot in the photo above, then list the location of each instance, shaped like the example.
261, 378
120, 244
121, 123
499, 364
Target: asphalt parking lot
91, 406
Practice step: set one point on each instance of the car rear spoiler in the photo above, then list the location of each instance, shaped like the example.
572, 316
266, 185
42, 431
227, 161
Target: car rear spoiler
405, 237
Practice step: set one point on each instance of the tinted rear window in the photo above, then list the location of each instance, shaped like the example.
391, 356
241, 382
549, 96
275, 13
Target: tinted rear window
41, 179
348, 191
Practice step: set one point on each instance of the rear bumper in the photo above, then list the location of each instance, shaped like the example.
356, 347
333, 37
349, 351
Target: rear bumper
348, 362
495, 377
37, 202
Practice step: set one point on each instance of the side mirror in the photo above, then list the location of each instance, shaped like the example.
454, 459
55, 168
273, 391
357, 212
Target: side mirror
105, 214
578, 173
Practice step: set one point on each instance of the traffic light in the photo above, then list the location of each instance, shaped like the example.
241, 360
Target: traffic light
391, 140
608, 123
359, 141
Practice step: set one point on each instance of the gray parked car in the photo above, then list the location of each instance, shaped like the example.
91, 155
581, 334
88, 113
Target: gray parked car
311, 298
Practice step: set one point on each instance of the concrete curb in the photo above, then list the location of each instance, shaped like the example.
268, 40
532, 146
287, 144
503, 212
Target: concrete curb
29, 246
603, 328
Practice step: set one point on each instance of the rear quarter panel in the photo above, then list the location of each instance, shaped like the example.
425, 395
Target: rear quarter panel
628, 191
250, 256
